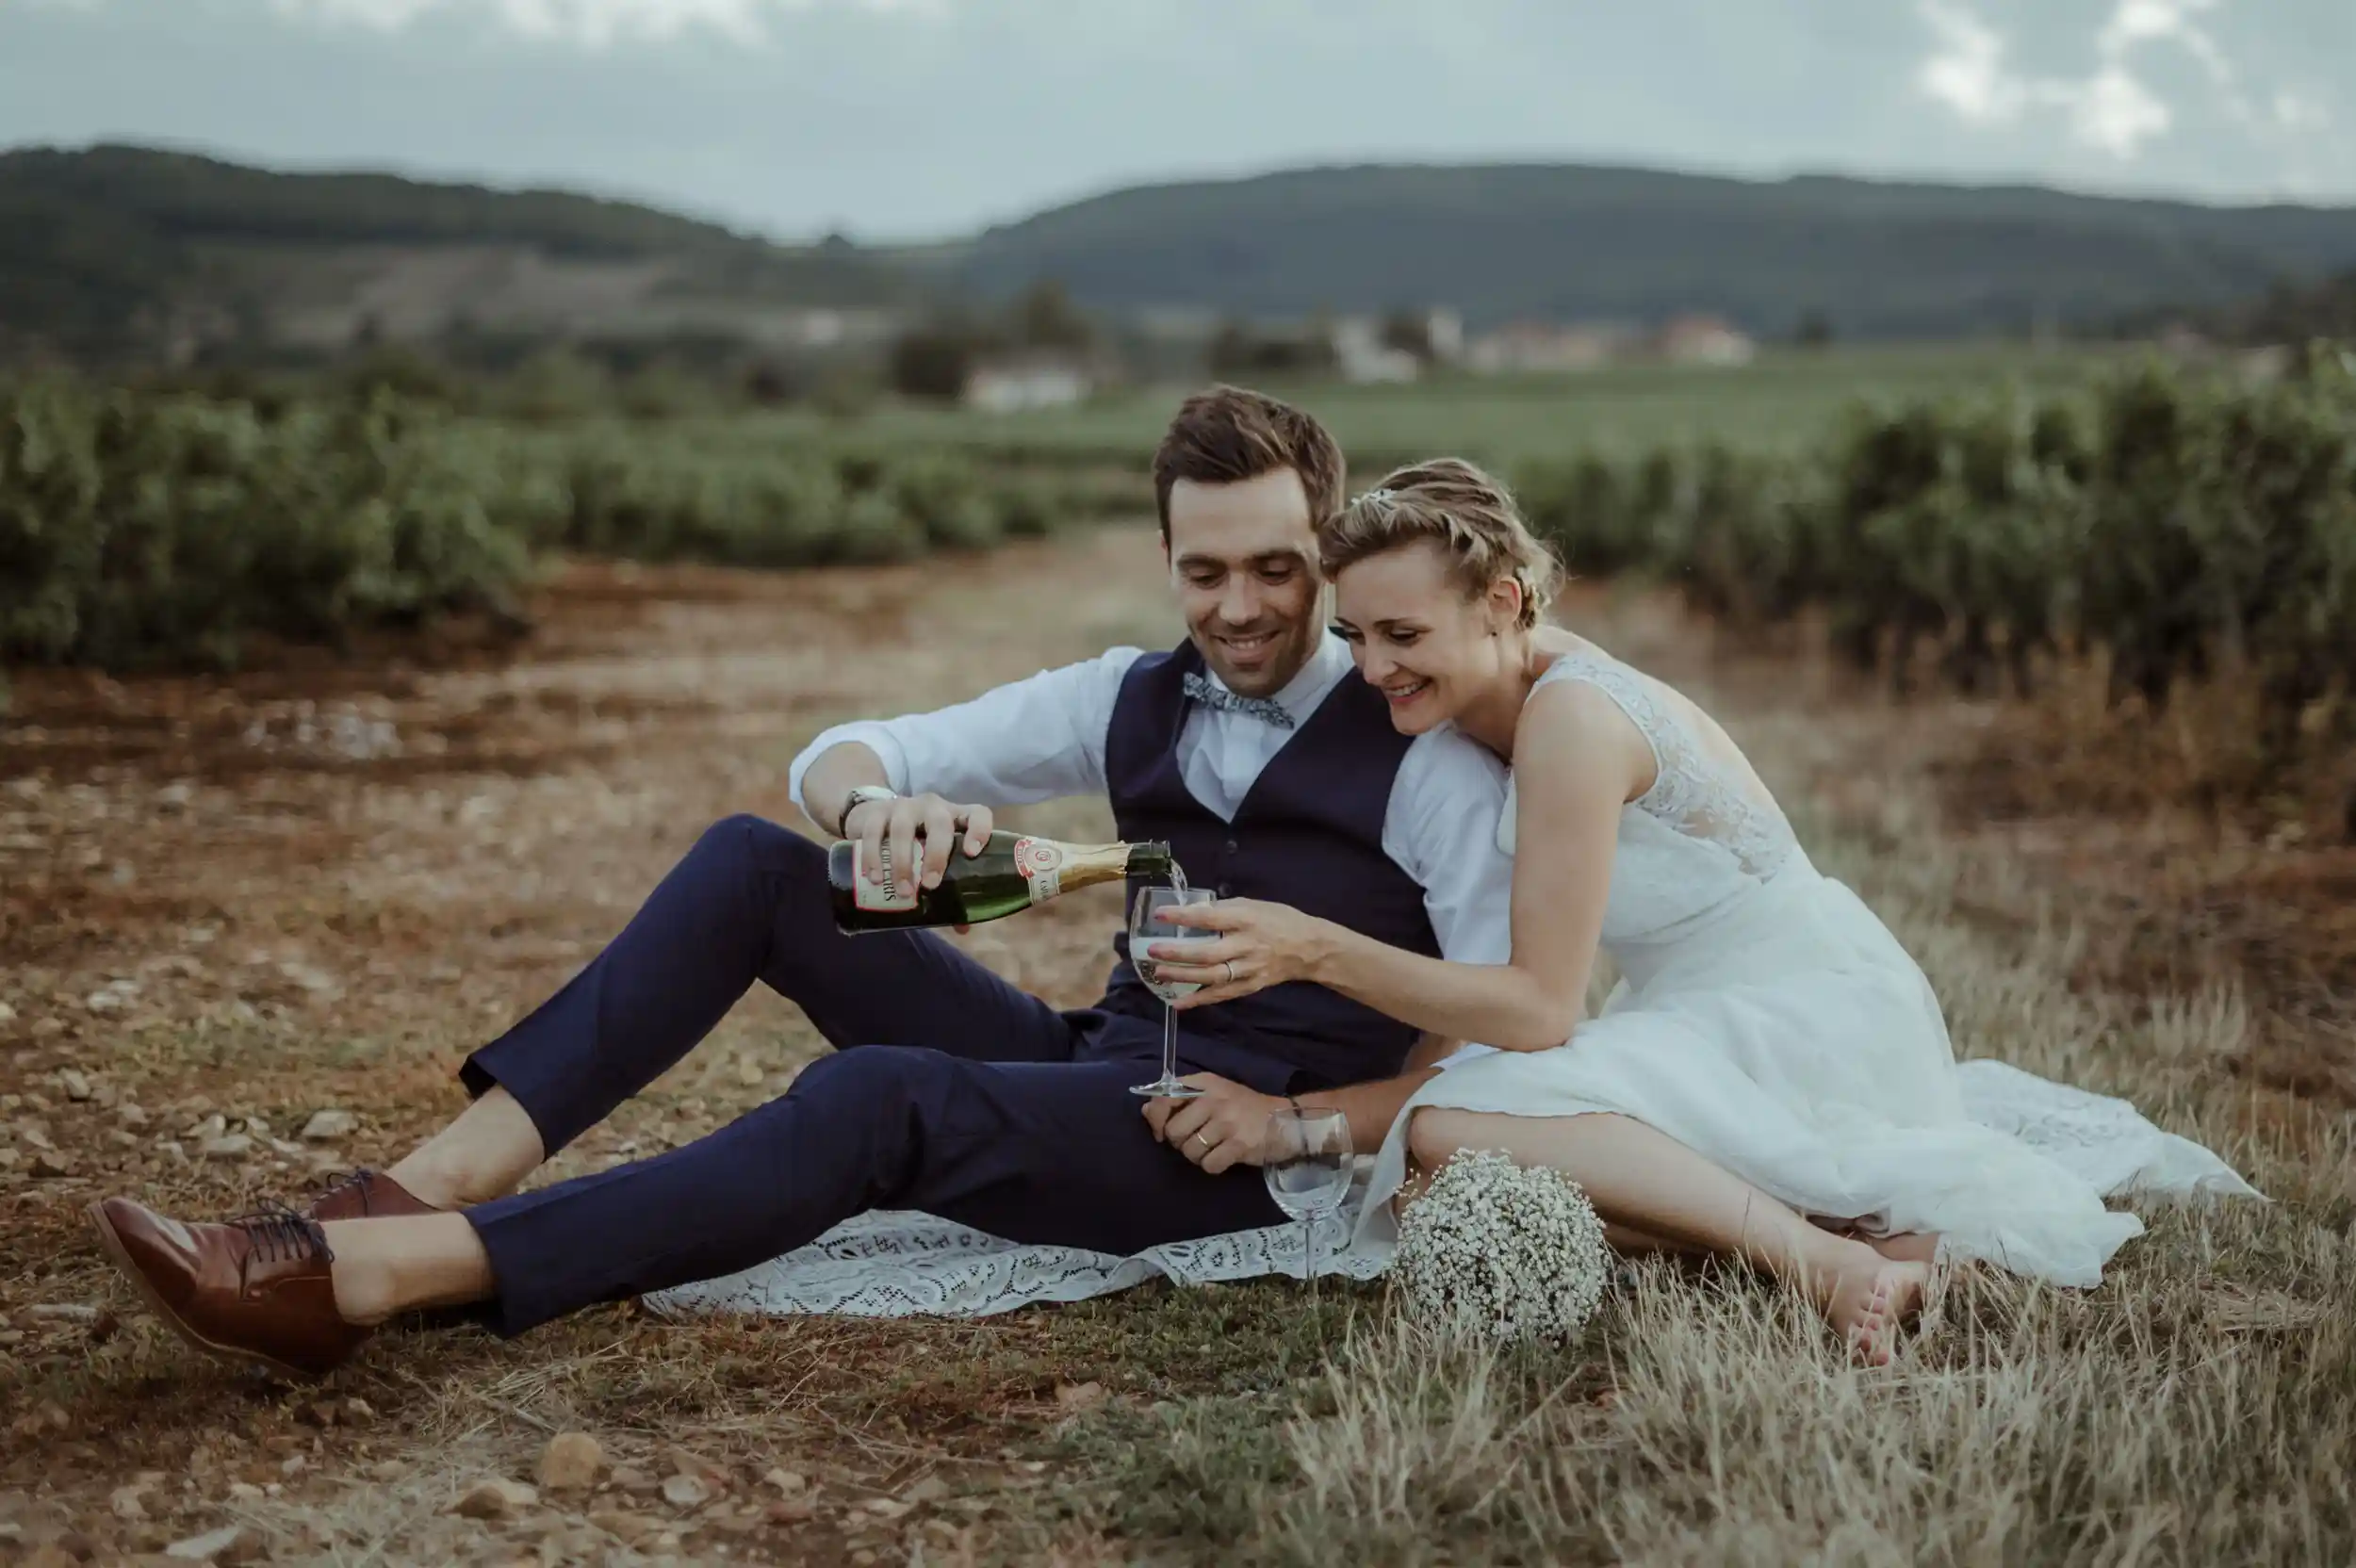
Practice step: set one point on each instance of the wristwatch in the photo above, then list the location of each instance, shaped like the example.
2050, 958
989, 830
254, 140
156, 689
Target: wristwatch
859, 796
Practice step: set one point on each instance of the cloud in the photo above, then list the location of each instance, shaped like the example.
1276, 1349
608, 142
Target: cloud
2112, 110
589, 23
1967, 72
2295, 112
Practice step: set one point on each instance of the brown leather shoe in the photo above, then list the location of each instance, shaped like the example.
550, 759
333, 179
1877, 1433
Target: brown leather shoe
366, 1195
256, 1289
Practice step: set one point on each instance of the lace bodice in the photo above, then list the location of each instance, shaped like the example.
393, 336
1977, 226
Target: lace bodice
1703, 835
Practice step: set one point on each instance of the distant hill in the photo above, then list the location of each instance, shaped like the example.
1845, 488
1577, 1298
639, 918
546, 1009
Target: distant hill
136, 252
127, 248
1566, 242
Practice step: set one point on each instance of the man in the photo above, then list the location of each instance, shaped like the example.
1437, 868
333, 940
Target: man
1252, 748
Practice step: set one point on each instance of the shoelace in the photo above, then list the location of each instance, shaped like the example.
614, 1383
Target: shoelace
332, 1185
282, 1236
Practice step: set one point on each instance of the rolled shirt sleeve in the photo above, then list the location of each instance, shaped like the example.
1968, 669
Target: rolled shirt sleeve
1042, 737
1442, 830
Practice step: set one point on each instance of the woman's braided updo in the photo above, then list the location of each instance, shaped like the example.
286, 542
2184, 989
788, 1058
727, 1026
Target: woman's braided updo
1461, 508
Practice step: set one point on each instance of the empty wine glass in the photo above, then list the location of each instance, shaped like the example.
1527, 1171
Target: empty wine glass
1146, 929
1306, 1163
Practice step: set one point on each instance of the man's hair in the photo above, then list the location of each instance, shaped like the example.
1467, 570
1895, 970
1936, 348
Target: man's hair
1227, 435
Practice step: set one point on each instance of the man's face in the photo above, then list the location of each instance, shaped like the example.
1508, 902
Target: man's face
1243, 558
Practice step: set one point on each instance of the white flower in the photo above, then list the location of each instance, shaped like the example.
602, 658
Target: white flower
1492, 1250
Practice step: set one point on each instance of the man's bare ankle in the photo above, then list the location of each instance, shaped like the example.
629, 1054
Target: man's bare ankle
363, 1291
429, 1184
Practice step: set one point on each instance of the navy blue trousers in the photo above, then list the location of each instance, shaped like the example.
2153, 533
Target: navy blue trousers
950, 1091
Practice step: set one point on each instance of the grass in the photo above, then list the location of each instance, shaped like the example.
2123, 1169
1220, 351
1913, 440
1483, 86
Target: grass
1783, 399
2200, 1407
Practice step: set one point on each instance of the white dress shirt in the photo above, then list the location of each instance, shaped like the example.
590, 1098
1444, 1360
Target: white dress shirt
1044, 738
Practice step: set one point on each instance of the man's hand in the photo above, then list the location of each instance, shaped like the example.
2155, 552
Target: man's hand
1223, 1127
916, 833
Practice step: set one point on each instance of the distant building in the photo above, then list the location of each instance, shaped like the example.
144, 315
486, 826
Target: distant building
1703, 340
1537, 346
1446, 329
1017, 386
1361, 355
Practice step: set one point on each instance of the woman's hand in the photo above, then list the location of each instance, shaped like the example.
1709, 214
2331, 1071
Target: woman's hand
1254, 945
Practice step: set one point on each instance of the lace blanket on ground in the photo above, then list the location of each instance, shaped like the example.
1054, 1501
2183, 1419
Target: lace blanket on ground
904, 1264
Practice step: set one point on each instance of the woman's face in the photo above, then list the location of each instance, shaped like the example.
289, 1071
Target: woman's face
1416, 635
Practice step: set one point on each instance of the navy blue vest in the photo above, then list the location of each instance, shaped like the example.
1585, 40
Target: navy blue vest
1309, 833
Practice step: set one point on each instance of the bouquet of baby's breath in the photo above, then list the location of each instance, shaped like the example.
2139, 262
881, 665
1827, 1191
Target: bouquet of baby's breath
1497, 1251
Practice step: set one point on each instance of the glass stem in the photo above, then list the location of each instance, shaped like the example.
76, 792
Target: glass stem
1309, 1255
1170, 1043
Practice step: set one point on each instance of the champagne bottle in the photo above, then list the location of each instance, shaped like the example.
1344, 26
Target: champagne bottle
1011, 873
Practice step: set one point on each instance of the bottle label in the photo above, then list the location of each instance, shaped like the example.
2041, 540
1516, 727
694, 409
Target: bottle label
869, 892
1041, 865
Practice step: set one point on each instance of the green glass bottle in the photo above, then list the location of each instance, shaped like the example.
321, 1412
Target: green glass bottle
1013, 872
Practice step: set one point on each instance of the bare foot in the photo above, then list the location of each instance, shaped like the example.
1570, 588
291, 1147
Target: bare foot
1870, 1305
1906, 1247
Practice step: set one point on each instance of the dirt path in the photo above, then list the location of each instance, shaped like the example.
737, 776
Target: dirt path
228, 907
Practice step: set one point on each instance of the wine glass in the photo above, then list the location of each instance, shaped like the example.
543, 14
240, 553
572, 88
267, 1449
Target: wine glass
1147, 928
1306, 1163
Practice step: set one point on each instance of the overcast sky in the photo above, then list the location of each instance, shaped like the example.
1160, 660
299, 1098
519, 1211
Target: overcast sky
919, 118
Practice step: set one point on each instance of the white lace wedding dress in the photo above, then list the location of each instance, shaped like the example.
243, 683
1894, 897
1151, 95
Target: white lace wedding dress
1766, 1018
1763, 1016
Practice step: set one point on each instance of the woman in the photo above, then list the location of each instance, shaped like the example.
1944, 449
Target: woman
1772, 1076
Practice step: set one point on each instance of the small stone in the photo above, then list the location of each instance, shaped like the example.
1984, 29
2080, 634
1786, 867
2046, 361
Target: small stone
788, 1481
629, 1529
75, 1085
230, 1146
496, 1498
888, 1507
930, 1490
357, 1409
126, 1502
1079, 1395
790, 1510
34, 1135
106, 1002
211, 1127
48, 1029
685, 1492
629, 1477
570, 1463
51, 1166
63, 1311
8, 1015
131, 1114
748, 1073
212, 1546
329, 1125
244, 1492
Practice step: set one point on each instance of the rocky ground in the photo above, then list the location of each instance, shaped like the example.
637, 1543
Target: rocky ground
248, 927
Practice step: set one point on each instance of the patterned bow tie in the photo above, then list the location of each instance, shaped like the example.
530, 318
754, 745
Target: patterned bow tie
1208, 693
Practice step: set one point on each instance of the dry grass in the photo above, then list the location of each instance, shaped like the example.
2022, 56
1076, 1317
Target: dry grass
305, 930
